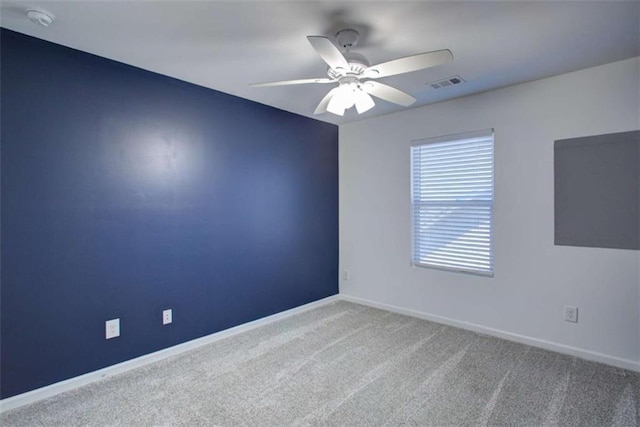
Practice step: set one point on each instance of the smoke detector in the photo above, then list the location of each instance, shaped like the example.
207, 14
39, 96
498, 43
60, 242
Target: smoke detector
40, 17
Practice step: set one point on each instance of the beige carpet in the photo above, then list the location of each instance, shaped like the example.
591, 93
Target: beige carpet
345, 364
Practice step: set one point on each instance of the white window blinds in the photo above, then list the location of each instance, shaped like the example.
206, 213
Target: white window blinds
452, 201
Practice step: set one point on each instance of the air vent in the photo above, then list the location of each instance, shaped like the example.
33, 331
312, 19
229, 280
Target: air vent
449, 81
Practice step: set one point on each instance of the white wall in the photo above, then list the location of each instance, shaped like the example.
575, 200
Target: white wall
533, 278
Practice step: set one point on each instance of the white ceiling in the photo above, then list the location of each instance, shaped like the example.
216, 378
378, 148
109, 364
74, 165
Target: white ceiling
227, 45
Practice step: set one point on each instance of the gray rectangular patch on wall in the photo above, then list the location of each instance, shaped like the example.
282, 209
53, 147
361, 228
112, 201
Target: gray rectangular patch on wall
597, 191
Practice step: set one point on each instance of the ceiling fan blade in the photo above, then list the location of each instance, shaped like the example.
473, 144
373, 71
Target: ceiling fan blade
292, 82
329, 52
388, 93
409, 64
364, 102
322, 106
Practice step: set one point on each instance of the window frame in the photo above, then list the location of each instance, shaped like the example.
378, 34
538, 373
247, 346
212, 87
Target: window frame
484, 133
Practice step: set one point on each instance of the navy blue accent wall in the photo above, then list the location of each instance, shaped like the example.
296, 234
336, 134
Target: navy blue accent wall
125, 193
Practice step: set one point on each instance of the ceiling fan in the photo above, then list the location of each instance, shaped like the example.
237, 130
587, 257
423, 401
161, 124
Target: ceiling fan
355, 76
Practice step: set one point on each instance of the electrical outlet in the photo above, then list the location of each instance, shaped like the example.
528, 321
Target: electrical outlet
112, 328
167, 316
571, 313
346, 275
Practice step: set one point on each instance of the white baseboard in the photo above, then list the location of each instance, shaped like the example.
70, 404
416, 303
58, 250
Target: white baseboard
535, 342
79, 381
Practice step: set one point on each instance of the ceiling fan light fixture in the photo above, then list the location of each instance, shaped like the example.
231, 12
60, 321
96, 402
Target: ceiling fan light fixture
347, 92
337, 103
343, 98
364, 102
336, 109
347, 95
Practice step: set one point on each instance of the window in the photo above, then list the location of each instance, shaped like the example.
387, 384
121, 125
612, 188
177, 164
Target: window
452, 202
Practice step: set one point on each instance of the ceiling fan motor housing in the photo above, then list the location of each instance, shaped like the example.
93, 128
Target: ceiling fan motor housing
357, 64
347, 38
